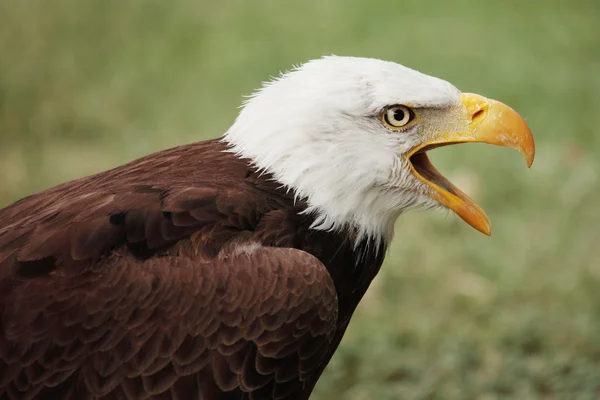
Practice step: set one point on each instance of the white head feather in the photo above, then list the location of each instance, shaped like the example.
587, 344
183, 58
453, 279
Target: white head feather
318, 130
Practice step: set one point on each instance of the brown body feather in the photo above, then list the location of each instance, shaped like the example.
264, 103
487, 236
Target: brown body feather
181, 275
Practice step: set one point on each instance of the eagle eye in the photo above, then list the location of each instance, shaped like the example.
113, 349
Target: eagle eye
398, 116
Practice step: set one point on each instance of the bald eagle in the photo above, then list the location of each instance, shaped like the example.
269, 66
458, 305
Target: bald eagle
230, 268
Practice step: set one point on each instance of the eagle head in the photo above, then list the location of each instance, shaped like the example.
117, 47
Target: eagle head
350, 136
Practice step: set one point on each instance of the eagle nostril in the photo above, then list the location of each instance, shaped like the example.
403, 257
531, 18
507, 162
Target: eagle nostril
479, 114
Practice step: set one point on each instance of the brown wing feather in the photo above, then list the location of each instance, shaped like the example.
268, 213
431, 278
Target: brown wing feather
251, 321
149, 204
150, 281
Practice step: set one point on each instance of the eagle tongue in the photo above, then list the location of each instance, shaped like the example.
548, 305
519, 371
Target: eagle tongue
423, 166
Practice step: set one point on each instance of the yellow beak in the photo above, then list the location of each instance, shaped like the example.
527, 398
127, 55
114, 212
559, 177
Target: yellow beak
487, 121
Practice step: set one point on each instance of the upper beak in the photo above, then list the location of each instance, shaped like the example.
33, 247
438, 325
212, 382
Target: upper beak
486, 121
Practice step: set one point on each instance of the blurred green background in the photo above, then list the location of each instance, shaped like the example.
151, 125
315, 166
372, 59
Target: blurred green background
88, 85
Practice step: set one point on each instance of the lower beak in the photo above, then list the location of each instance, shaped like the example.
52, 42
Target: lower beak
486, 121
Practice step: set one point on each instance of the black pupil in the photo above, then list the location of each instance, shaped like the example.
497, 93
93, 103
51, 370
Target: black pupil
399, 114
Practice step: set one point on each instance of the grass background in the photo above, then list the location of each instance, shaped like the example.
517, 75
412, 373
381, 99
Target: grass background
85, 86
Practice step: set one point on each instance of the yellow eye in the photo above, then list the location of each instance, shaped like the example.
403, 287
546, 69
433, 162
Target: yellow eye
398, 116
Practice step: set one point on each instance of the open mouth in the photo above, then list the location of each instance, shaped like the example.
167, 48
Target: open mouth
486, 121
423, 167
445, 193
